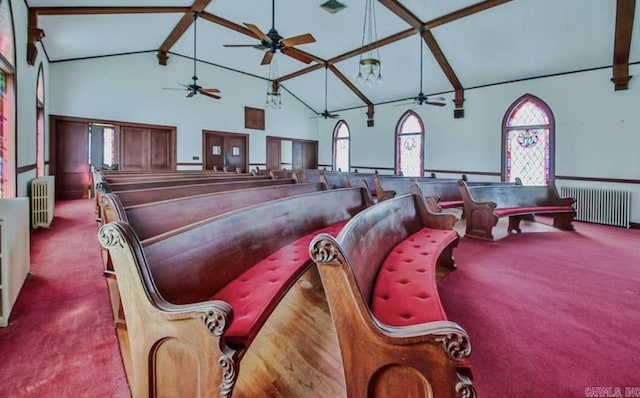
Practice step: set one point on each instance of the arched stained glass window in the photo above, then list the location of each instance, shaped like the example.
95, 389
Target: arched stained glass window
341, 141
40, 123
7, 98
410, 145
528, 142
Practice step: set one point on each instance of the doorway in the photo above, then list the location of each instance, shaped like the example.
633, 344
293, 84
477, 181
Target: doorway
288, 153
225, 150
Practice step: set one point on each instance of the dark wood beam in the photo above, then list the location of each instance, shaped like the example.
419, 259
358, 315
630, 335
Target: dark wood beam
227, 24
357, 92
382, 42
625, 10
177, 32
34, 35
300, 72
401, 11
464, 12
107, 10
431, 42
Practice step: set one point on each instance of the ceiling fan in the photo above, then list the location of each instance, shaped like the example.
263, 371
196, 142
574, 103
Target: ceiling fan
272, 41
421, 98
193, 88
326, 114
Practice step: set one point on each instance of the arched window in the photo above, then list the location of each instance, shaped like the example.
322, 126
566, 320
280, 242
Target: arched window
528, 142
341, 141
410, 145
40, 123
7, 106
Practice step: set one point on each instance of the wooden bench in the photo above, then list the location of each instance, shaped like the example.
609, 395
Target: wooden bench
135, 197
196, 297
170, 182
485, 205
155, 218
379, 277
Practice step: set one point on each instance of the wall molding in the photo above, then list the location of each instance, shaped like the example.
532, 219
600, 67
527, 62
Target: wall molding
25, 169
600, 179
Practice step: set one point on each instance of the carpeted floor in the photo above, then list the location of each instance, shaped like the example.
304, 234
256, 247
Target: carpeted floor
551, 313
63, 308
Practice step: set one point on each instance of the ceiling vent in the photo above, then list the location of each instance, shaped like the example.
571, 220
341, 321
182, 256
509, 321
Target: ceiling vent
333, 6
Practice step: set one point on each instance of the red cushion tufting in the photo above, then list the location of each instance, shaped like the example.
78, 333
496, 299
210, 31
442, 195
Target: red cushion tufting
510, 211
253, 292
405, 292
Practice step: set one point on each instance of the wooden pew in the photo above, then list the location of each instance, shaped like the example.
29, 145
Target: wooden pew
484, 205
170, 182
394, 336
151, 219
130, 198
196, 297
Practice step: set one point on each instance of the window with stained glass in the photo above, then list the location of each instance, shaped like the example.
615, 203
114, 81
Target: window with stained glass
341, 141
7, 68
40, 124
528, 136
409, 145
3, 136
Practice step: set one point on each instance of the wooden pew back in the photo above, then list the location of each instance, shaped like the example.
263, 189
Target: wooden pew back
135, 197
508, 196
129, 185
191, 263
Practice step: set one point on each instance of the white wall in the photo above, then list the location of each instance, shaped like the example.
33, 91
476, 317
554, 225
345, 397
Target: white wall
597, 130
26, 82
130, 88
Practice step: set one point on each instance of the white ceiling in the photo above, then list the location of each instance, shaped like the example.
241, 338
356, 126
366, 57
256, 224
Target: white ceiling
516, 40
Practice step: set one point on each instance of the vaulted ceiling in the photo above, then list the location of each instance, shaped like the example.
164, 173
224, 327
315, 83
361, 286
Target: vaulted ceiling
467, 43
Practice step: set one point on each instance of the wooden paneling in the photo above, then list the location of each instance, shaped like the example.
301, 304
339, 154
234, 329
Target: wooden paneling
273, 153
143, 148
72, 159
222, 149
160, 148
253, 118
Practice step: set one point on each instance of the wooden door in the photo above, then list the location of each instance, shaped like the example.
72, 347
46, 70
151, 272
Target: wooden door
274, 157
132, 148
298, 155
72, 159
160, 149
214, 149
235, 152
310, 155
143, 148
225, 150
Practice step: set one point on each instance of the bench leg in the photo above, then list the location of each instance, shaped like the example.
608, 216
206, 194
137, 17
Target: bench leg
514, 223
563, 221
445, 259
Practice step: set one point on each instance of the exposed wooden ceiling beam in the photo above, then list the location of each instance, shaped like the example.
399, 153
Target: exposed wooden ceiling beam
177, 32
465, 12
625, 10
300, 72
431, 42
34, 35
402, 12
357, 92
107, 10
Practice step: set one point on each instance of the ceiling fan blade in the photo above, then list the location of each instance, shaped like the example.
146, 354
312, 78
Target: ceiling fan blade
206, 94
191, 94
210, 90
296, 40
267, 58
256, 46
332, 116
293, 53
257, 32
173, 88
435, 103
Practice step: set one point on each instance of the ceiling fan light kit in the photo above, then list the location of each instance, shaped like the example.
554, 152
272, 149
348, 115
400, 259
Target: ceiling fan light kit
370, 59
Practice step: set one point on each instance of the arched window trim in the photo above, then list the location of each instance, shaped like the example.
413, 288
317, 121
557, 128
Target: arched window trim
552, 136
336, 139
402, 119
40, 122
9, 176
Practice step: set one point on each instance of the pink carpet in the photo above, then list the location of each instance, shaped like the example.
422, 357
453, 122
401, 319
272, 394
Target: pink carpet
550, 314
60, 341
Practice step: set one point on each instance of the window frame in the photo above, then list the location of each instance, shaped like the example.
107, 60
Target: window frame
398, 134
336, 139
505, 132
